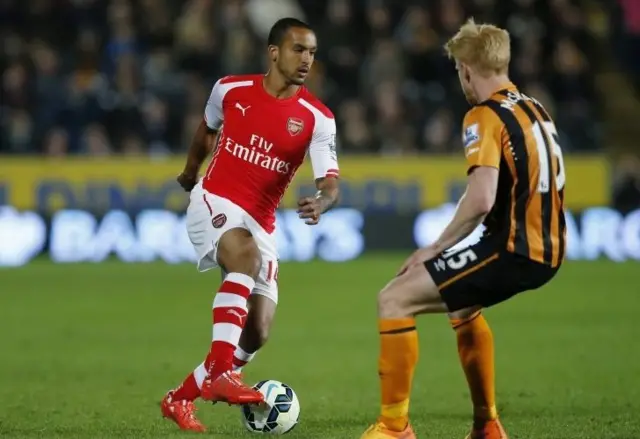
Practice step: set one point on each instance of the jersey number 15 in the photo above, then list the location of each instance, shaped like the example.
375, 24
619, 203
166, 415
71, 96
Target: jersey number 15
545, 173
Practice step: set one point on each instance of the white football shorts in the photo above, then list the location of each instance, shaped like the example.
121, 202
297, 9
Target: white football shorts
209, 216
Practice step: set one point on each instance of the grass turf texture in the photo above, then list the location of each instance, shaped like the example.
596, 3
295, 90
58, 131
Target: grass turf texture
89, 350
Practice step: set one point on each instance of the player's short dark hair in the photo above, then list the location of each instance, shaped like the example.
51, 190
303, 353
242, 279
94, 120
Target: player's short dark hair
281, 27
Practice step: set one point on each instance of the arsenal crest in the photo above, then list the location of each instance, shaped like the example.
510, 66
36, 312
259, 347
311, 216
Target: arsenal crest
219, 220
294, 126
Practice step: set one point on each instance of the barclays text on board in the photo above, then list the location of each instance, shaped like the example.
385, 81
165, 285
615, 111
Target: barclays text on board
72, 236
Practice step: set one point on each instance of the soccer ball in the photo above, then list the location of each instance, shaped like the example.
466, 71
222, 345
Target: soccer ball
278, 414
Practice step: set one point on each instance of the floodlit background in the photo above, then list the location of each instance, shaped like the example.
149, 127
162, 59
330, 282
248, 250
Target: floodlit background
102, 309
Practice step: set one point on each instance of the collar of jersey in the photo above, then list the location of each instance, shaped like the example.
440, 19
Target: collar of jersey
265, 94
509, 87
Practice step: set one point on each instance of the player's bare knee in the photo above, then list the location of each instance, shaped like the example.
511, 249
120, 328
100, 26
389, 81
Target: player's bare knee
248, 260
465, 313
238, 253
410, 294
391, 303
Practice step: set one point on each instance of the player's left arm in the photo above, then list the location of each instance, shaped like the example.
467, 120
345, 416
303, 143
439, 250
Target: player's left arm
483, 143
324, 161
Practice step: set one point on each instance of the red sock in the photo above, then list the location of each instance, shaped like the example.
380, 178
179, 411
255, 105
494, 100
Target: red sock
190, 387
229, 317
188, 390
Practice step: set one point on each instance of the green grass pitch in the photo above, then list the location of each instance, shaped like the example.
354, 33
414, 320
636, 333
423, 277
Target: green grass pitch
87, 351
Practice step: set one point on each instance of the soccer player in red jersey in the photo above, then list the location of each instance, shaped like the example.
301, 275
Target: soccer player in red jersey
265, 125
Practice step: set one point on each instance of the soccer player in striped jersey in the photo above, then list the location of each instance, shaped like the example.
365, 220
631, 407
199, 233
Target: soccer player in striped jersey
515, 188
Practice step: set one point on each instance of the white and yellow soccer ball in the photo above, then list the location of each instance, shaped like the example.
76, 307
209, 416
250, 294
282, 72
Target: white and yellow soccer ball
279, 413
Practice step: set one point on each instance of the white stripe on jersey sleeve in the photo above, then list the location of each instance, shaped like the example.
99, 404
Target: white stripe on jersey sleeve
213, 114
322, 149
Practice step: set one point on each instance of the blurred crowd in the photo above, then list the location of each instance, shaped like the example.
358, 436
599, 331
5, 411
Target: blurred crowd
132, 76
625, 25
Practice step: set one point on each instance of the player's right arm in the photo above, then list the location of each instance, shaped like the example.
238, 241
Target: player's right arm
204, 139
482, 139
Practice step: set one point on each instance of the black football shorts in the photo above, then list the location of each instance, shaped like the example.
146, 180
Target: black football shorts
485, 274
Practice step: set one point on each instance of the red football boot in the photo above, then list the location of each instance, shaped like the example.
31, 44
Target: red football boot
488, 430
236, 373
228, 388
182, 412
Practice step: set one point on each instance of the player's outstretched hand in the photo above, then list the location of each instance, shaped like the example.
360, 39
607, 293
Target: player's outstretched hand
418, 257
187, 181
309, 208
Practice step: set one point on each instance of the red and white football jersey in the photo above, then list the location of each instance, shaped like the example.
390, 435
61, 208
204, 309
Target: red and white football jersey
262, 142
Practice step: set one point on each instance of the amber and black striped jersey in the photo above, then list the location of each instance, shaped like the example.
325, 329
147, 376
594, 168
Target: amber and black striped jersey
513, 133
